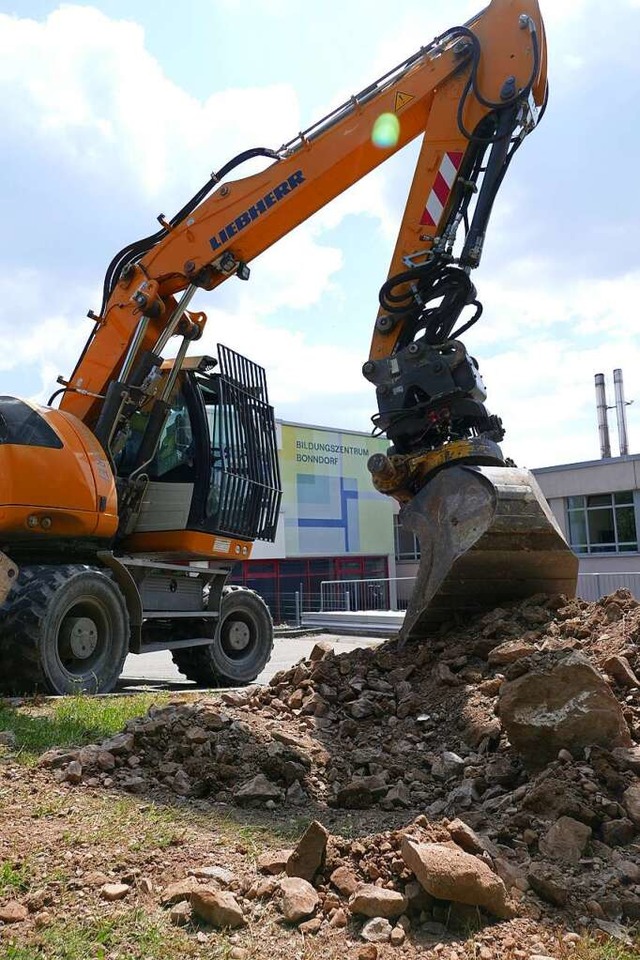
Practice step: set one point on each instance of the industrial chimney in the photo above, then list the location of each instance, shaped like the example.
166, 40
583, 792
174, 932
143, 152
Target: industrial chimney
621, 412
603, 417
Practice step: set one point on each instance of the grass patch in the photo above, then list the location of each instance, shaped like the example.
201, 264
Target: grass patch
13, 880
71, 721
609, 950
132, 935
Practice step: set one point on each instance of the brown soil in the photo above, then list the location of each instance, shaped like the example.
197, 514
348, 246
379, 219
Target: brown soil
374, 744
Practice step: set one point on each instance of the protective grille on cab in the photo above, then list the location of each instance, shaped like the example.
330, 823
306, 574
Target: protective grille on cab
247, 458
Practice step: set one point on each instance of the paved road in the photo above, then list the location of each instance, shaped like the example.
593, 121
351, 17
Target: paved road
157, 670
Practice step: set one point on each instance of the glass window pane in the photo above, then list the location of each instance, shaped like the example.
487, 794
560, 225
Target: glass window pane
577, 528
599, 500
601, 528
626, 521
628, 548
574, 503
625, 496
375, 567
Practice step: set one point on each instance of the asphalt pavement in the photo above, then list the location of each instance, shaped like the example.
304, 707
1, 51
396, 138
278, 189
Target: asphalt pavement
157, 671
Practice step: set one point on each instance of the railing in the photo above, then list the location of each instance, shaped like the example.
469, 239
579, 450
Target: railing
592, 586
392, 594
381, 593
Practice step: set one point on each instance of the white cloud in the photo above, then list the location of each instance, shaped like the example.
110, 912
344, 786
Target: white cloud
86, 86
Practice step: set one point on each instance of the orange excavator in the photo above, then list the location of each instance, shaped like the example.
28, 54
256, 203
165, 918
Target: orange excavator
124, 508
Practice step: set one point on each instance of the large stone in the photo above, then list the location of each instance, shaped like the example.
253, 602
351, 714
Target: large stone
509, 652
13, 912
465, 837
274, 861
561, 702
548, 883
114, 891
617, 833
377, 930
121, 743
258, 788
361, 792
620, 669
217, 907
309, 855
628, 758
344, 880
180, 890
631, 801
372, 901
299, 899
450, 874
565, 840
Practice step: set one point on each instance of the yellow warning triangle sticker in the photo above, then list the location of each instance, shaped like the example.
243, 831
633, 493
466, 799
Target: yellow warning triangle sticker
402, 99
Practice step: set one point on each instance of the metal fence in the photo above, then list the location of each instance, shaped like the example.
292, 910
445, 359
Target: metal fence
381, 593
392, 594
592, 586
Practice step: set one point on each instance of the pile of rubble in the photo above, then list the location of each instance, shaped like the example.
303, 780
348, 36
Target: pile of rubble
514, 738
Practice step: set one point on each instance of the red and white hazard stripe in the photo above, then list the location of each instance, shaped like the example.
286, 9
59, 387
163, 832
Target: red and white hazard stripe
441, 189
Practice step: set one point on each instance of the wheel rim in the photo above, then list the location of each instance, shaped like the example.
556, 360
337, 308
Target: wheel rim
238, 636
84, 636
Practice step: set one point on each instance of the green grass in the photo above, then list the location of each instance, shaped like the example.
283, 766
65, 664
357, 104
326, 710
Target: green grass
132, 935
611, 950
13, 880
71, 721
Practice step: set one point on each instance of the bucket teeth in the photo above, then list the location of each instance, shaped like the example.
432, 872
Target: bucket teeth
486, 536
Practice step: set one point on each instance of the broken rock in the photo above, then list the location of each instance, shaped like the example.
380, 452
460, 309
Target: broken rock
309, 856
299, 899
372, 901
377, 931
13, 912
560, 702
217, 907
450, 874
631, 801
258, 788
565, 840
273, 862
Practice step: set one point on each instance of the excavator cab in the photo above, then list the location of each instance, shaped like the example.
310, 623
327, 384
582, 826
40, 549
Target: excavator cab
215, 467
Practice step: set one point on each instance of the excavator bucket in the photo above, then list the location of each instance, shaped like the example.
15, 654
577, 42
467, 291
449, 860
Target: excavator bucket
486, 536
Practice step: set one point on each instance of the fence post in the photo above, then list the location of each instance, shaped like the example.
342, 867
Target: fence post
298, 610
393, 593
347, 604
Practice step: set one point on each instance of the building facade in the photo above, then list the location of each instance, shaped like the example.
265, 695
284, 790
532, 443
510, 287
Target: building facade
333, 525
335, 528
597, 505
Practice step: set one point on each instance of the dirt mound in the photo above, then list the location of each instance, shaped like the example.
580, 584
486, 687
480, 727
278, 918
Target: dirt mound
423, 731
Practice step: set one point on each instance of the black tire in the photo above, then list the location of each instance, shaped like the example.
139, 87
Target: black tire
241, 647
63, 629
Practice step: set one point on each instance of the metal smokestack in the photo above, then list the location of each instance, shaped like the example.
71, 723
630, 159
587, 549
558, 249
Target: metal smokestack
621, 412
603, 417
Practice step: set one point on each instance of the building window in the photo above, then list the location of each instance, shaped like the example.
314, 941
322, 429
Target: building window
406, 543
603, 523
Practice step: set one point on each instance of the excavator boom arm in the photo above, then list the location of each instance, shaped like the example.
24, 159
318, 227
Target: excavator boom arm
215, 235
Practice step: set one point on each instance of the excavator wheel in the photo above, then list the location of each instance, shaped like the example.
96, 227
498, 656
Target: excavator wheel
63, 629
241, 647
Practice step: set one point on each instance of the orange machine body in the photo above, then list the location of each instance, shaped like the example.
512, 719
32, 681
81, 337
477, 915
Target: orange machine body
63, 491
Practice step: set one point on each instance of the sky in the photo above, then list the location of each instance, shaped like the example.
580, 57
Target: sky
114, 112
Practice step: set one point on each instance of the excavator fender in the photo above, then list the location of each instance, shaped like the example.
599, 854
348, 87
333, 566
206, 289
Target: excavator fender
486, 535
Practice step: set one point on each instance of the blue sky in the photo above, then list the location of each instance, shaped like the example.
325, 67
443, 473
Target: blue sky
113, 112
